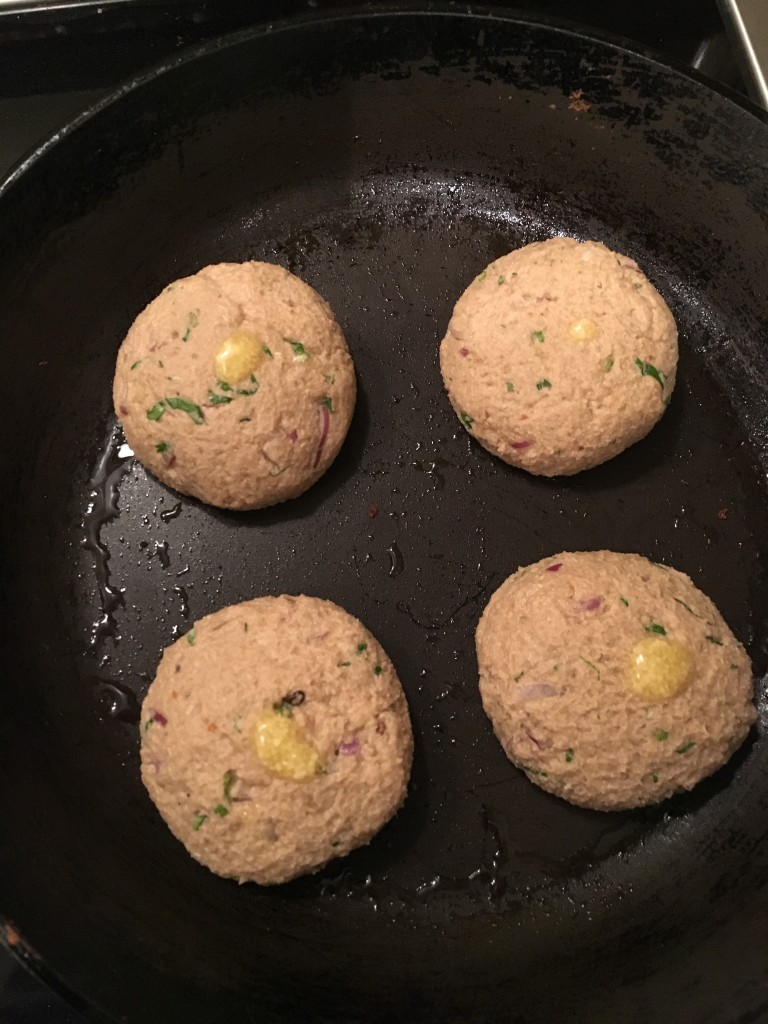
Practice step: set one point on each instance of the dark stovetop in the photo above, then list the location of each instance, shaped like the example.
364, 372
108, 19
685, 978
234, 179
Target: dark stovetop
53, 64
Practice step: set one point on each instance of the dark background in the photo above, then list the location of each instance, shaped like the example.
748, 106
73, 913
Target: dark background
53, 64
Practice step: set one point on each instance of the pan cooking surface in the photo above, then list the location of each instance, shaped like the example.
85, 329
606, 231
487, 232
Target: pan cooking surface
404, 154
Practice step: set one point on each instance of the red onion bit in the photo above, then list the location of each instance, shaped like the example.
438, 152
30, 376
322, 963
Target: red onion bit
325, 423
533, 739
534, 691
464, 352
520, 445
350, 747
554, 568
293, 436
159, 717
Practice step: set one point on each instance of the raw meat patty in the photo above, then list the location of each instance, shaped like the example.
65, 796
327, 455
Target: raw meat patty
559, 356
235, 385
275, 736
611, 681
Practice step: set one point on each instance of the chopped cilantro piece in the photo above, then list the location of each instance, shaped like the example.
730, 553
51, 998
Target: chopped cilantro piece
223, 386
685, 747
607, 364
329, 378
335, 843
344, 664
538, 336
192, 321
569, 755
654, 776
543, 383
328, 403
501, 279
156, 411
137, 363
510, 386
518, 677
221, 810
713, 640
467, 420
199, 820
624, 601
148, 724
281, 708
591, 665
361, 648
482, 277
654, 627
215, 399
649, 370
687, 608
191, 637
230, 778
733, 665
377, 670
300, 354
661, 734
637, 286
249, 391
163, 446
267, 351
183, 405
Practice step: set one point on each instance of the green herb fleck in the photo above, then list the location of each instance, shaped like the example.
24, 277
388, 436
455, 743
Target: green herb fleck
661, 734
156, 411
538, 336
267, 351
637, 287
654, 627
161, 364
713, 640
221, 810
734, 665
148, 724
300, 354
191, 637
249, 391
377, 670
223, 386
624, 601
543, 383
654, 776
215, 399
685, 747
361, 648
192, 321
518, 677
569, 755
467, 420
501, 279
328, 403
591, 665
163, 446
335, 843
649, 370
482, 277
329, 378
137, 363
183, 405
344, 664
688, 608
230, 778
281, 708
244, 419
607, 364
510, 386
199, 820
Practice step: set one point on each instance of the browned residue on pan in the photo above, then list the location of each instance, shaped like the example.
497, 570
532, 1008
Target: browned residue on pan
578, 103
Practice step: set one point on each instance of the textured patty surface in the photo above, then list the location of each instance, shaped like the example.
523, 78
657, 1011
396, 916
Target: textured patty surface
235, 385
611, 681
559, 356
275, 736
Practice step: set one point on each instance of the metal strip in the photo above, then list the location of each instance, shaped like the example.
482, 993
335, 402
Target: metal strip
747, 24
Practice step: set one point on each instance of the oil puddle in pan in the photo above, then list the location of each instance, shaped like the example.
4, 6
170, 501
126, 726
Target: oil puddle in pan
114, 463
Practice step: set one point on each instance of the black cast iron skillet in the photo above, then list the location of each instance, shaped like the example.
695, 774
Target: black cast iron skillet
385, 158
